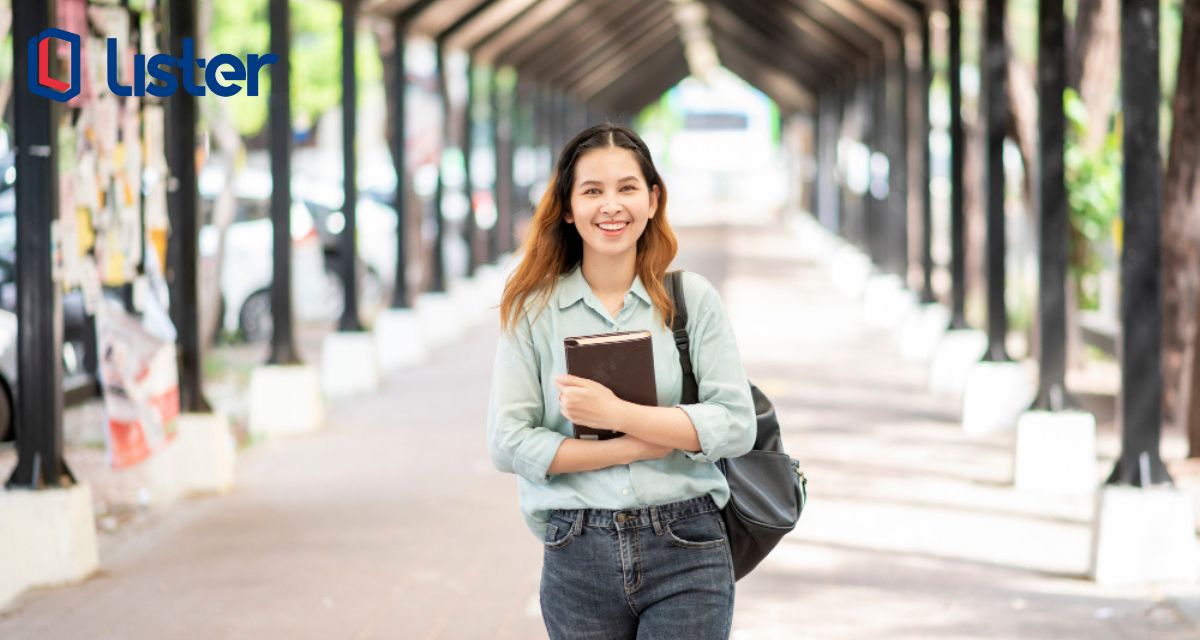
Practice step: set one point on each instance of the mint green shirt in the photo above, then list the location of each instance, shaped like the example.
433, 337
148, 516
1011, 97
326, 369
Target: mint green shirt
526, 426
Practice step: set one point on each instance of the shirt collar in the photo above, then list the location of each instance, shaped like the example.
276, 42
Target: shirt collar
572, 288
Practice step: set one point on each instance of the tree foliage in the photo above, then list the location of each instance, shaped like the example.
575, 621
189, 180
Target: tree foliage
1094, 195
241, 27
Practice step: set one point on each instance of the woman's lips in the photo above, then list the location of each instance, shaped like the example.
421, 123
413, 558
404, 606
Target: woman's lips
614, 232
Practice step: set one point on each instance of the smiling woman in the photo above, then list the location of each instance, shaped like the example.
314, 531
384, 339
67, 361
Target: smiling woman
644, 505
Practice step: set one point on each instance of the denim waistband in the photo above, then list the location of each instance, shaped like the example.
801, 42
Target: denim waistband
638, 517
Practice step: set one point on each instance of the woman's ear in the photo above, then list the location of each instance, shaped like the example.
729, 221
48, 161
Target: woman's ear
653, 200
568, 217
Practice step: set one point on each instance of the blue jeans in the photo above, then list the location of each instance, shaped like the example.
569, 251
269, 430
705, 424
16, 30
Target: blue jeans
660, 572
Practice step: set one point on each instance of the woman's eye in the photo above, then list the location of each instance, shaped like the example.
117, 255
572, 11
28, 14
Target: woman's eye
628, 187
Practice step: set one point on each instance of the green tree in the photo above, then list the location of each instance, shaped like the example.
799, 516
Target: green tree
241, 27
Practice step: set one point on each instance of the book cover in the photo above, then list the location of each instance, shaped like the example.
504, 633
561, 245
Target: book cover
622, 361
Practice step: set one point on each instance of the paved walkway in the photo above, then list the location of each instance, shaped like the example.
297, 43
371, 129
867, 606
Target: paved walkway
391, 523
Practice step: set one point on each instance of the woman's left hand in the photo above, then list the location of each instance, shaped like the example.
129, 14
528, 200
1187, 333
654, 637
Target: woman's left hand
587, 402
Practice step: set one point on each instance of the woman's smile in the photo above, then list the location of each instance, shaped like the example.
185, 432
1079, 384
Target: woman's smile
613, 228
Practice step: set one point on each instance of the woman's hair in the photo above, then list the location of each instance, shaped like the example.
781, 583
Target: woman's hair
553, 245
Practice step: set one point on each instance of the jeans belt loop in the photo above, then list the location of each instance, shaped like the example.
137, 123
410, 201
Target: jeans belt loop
578, 527
654, 520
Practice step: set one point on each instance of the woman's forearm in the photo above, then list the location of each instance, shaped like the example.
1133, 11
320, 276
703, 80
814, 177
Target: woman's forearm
588, 455
665, 426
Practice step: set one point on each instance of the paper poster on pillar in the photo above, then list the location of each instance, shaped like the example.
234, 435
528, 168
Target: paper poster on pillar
140, 386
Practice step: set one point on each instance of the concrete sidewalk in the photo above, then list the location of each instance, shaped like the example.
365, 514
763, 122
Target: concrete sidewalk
391, 522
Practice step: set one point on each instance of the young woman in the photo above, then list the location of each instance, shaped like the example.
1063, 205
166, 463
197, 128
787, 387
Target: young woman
634, 543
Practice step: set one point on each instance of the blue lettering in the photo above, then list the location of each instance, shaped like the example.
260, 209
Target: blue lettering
139, 74
157, 76
236, 72
186, 64
115, 85
160, 70
257, 62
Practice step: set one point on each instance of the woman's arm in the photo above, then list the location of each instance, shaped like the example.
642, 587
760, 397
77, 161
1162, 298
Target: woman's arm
588, 455
586, 401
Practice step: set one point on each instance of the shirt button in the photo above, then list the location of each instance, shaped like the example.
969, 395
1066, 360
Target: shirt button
624, 492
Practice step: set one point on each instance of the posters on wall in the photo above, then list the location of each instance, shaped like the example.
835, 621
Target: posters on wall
112, 197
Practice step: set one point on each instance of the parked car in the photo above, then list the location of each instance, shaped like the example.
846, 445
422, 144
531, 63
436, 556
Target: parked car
75, 333
376, 241
247, 268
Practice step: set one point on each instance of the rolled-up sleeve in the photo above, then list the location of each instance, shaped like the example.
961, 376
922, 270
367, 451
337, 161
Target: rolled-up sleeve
517, 441
724, 416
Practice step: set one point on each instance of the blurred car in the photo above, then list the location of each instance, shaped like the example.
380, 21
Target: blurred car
247, 267
376, 242
75, 326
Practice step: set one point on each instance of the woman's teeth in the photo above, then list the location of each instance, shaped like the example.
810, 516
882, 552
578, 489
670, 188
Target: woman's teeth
614, 226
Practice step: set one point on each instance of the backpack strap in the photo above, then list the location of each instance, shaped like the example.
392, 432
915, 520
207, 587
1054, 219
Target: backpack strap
691, 391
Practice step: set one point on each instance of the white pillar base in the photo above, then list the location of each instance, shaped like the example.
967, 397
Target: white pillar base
1143, 536
348, 365
1055, 453
813, 239
398, 339
285, 400
996, 395
918, 337
886, 303
850, 270
467, 297
46, 538
956, 353
199, 460
440, 321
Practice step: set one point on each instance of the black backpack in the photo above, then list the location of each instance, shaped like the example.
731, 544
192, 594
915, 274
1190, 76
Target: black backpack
767, 488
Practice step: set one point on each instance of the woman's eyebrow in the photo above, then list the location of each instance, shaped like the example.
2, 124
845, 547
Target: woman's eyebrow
625, 179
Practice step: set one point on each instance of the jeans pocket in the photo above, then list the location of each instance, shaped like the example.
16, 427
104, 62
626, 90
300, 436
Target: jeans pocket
558, 534
703, 531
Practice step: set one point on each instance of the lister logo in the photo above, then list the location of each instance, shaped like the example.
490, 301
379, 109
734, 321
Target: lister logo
156, 76
40, 80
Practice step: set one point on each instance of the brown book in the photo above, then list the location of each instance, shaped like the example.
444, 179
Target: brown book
622, 361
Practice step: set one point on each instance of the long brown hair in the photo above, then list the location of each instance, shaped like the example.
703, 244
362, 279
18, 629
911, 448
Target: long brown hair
553, 246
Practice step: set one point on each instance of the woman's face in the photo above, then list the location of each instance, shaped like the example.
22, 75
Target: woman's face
610, 201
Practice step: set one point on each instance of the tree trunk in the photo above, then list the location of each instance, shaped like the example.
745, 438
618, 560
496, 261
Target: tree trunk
1094, 64
230, 143
1022, 128
1191, 393
1181, 226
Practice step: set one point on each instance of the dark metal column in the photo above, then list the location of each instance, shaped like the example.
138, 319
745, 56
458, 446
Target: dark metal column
349, 247
400, 161
438, 283
820, 134
182, 272
523, 137
283, 344
927, 295
39, 407
469, 230
1141, 298
1052, 256
845, 98
995, 59
877, 228
958, 265
898, 171
502, 137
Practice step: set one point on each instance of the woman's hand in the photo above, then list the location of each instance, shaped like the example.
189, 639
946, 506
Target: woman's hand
588, 402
